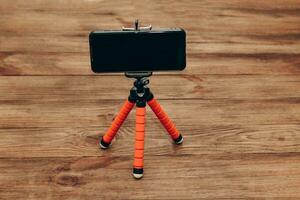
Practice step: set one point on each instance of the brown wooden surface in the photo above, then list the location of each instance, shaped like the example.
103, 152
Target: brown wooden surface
237, 103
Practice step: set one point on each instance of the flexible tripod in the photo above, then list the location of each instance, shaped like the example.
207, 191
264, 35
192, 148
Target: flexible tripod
139, 95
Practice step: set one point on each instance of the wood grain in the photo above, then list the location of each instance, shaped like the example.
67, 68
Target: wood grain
205, 87
223, 37
201, 140
237, 103
234, 176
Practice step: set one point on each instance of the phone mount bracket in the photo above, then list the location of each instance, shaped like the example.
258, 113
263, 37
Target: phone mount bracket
138, 75
137, 27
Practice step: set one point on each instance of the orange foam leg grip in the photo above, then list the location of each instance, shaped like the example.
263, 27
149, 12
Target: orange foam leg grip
164, 119
118, 121
138, 162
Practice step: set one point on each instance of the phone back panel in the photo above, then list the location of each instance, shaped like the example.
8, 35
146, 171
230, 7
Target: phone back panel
128, 51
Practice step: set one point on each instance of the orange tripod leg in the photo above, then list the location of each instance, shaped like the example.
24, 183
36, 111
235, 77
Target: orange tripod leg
138, 163
116, 124
165, 121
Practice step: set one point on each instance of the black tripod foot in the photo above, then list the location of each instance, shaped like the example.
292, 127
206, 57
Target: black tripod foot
138, 173
178, 140
103, 145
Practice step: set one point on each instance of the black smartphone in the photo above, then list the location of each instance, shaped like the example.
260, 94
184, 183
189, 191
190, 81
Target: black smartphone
138, 51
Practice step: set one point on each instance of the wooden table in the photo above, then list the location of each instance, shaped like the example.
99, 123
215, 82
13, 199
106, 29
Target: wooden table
237, 103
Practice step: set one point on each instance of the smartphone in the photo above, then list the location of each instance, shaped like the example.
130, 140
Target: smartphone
138, 51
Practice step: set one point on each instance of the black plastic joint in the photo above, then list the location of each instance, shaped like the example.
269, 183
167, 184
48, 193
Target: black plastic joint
132, 96
103, 144
138, 170
140, 104
178, 140
131, 99
149, 96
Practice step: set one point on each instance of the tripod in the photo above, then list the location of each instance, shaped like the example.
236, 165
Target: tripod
139, 95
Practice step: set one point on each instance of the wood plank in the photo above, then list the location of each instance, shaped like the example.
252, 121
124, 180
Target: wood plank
205, 87
200, 139
288, 7
61, 63
79, 44
74, 113
225, 37
73, 102
226, 176
212, 15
